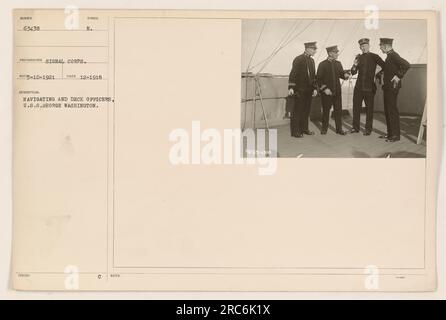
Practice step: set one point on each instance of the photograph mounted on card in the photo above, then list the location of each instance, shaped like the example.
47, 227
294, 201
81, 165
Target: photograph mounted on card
225, 150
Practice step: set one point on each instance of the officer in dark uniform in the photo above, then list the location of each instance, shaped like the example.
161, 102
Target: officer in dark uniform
329, 72
365, 65
395, 68
302, 87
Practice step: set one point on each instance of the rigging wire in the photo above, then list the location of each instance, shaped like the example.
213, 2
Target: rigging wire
257, 43
292, 39
284, 39
283, 46
247, 69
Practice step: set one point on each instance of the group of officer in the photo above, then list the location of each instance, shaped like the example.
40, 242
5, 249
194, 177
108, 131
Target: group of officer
305, 83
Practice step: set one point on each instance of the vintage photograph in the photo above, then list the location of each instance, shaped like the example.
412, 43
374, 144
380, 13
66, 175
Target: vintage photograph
127, 173
336, 88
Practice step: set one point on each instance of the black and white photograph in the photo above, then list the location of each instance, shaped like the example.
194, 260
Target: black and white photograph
336, 88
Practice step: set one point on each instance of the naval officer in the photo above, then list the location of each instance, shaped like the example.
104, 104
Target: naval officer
365, 65
329, 73
302, 86
395, 68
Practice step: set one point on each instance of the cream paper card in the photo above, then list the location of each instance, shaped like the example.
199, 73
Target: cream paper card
106, 197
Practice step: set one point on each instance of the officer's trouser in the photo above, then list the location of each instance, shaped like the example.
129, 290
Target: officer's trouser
391, 112
301, 112
368, 97
327, 103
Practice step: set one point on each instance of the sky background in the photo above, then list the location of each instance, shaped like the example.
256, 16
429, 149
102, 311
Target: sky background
409, 35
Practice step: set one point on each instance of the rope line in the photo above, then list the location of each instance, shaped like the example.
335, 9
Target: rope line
292, 39
278, 46
257, 43
247, 69
282, 41
286, 44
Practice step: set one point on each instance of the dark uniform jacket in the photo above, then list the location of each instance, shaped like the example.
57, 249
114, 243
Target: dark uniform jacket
366, 67
328, 74
394, 66
302, 75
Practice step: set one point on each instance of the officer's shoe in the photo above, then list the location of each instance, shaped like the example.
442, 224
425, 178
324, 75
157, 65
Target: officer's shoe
341, 132
393, 139
384, 136
367, 133
308, 132
353, 130
324, 132
298, 135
